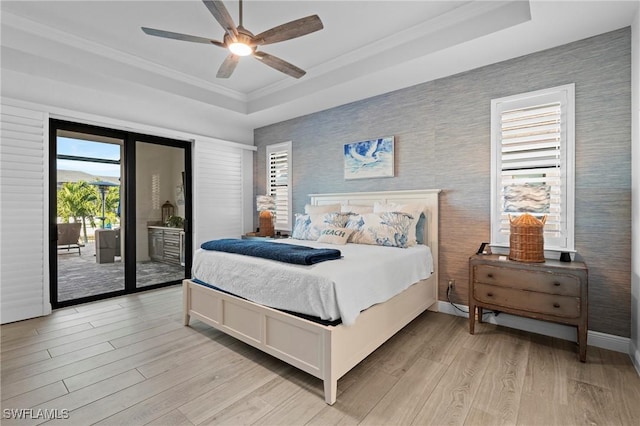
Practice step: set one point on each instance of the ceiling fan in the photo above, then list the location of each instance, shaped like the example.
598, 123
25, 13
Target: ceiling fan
242, 42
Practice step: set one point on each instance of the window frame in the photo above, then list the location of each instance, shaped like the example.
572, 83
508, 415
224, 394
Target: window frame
279, 147
564, 94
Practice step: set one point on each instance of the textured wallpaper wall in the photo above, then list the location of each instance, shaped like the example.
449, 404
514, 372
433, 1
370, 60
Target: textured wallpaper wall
442, 131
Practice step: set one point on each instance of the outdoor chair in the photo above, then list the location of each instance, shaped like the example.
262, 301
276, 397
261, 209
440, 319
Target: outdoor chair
68, 236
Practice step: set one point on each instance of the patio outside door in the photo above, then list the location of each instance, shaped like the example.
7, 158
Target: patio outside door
88, 226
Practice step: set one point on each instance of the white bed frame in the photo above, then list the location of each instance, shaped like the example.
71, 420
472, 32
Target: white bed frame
327, 352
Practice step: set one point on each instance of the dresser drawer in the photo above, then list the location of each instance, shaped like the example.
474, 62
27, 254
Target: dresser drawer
545, 282
541, 303
172, 237
171, 253
172, 244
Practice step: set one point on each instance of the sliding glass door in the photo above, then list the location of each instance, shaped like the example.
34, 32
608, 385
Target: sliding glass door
160, 213
87, 177
119, 212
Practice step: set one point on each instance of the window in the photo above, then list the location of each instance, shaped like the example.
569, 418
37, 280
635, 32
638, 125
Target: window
532, 164
279, 183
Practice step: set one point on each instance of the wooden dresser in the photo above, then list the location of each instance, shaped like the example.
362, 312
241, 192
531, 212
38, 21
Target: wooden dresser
166, 244
550, 291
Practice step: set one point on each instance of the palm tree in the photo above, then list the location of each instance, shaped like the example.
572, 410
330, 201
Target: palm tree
111, 201
79, 200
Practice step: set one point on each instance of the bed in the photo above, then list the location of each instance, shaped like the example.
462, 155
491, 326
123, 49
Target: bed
324, 351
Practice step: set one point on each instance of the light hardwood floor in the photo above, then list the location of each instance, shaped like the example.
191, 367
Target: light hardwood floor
129, 361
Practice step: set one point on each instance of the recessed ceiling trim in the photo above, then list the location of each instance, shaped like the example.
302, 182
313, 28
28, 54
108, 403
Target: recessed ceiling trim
422, 40
511, 12
460, 39
54, 34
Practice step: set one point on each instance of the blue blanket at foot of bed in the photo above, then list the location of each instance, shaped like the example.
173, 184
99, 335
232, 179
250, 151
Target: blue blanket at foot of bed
289, 253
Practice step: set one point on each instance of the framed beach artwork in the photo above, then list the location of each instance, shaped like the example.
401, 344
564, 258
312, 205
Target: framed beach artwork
369, 159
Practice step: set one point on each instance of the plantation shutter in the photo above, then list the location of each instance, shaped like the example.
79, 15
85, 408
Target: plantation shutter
24, 282
218, 189
531, 165
279, 182
532, 171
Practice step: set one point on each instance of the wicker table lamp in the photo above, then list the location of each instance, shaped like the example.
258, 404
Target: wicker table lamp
266, 204
526, 239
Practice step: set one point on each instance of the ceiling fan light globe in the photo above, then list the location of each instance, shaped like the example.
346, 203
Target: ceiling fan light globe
240, 49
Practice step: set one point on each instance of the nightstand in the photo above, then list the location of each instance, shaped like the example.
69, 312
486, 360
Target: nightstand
550, 291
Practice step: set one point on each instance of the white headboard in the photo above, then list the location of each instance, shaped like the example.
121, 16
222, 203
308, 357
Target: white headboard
428, 197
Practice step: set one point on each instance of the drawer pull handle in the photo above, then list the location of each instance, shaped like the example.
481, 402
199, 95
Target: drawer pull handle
556, 305
489, 294
556, 283
490, 275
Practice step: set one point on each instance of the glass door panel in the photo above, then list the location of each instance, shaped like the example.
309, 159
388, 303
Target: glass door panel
160, 213
87, 209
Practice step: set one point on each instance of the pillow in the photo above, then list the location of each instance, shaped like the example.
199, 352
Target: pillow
327, 208
384, 229
356, 209
414, 210
420, 229
333, 235
308, 226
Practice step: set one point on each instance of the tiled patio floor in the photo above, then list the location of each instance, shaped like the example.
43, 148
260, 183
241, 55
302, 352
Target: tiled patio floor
81, 276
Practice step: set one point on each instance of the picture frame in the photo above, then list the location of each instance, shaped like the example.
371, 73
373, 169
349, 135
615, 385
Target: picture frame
373, 158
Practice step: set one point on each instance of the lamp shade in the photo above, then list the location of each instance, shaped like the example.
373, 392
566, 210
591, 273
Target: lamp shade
265, 205
265, 202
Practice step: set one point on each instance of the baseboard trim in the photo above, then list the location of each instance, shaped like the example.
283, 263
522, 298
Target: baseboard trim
20, 313
565, 332
634, 353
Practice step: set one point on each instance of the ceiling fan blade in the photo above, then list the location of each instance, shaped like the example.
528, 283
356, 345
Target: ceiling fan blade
293, 29
279, 64
220, 12
228, 66
180, 36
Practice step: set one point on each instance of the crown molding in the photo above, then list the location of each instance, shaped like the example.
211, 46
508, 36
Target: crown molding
29, 26
512, 13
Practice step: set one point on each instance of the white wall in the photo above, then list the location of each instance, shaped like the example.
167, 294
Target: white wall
132, 102
177, 168
20, 299
635, 192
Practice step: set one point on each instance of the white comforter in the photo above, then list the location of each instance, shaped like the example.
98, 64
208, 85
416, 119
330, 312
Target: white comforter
365, 276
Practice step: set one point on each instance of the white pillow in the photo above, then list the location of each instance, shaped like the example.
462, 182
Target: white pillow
356, 209
414, 210
333, 235
383, 229
309, 226
327, 208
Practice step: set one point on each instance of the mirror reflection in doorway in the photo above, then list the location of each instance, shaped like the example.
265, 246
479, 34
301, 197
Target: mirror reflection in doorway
160, 213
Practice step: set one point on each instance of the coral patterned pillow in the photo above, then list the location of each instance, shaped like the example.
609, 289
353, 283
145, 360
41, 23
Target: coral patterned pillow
383, 229
415, 210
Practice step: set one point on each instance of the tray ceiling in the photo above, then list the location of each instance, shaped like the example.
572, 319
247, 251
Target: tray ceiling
366, 47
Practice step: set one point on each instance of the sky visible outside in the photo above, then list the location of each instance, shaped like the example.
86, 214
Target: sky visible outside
83, 148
